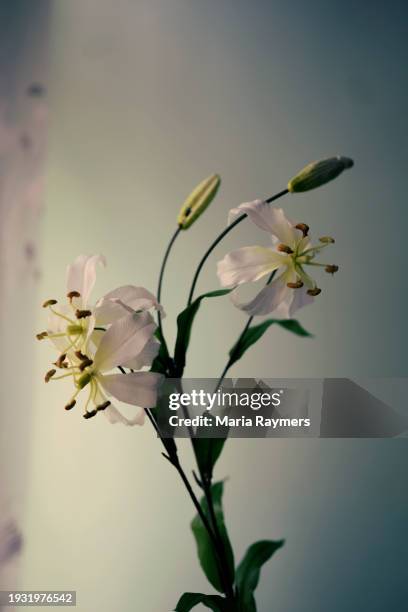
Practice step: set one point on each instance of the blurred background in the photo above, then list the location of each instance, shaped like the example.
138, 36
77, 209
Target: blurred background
141, 100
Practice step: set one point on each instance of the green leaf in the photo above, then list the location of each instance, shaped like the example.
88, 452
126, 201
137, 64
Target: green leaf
254, 333
205, 546
185, 322
189, 600
207, 452
162, 361
248, 571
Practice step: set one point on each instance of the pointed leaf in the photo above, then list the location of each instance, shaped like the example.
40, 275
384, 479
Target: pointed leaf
185, 322
254, 333
248, 571
205, 547
189, 600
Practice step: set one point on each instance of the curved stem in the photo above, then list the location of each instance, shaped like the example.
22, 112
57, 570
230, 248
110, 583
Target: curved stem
247, 325
161, 276
218, 240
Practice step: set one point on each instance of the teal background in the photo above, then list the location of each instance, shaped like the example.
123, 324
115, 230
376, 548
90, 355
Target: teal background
147, 98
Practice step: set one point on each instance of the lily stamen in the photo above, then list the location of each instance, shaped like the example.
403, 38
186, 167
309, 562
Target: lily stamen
83, 314
49, 375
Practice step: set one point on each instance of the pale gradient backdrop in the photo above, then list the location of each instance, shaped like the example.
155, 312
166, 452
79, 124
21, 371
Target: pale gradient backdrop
147, 98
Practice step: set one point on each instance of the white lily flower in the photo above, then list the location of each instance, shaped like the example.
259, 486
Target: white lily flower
292, 251
125, 340
74, 325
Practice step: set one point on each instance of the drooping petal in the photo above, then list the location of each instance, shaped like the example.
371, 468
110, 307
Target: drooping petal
300, 299
136, 388
267, 300
81, 276
124, 340
110, 308
248, 264
269, 219
145, 358
115, 416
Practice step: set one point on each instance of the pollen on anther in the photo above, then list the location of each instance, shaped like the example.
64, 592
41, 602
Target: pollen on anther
49, 375
82, 314
80, 355
314, 292
296, 285
103, 406
49, 303
85, 364
304, 228
284, 248
331, 269
73, 294
42, 335
70, 405
88, 415
61, 363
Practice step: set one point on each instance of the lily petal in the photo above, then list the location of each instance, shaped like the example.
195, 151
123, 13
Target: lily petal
146, 357
267, 300
115, 416
124, 340
81, 276
248, 264
269, 219
136, 388
110, 308
300, 299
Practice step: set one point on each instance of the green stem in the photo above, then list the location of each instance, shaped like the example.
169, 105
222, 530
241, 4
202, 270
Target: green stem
218, 240
160, 284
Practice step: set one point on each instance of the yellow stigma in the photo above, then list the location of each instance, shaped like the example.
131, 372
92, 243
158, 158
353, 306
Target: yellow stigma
84, 380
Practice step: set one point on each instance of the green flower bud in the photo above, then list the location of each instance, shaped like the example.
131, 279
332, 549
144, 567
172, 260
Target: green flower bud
318, 173
198, 200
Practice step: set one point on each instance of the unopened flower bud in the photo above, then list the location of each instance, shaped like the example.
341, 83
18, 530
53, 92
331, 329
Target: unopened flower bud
318, 173
331, 269
198, 200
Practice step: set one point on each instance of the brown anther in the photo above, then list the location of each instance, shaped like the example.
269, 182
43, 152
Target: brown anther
80, 355
103, 406
42, 335
85, 364
327, 240
70, 405
73, 294
284, 248
49, 375
61, 363
49, 303
304, 228
314, 292
296, 285
82, 314
331, 269
89, 414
